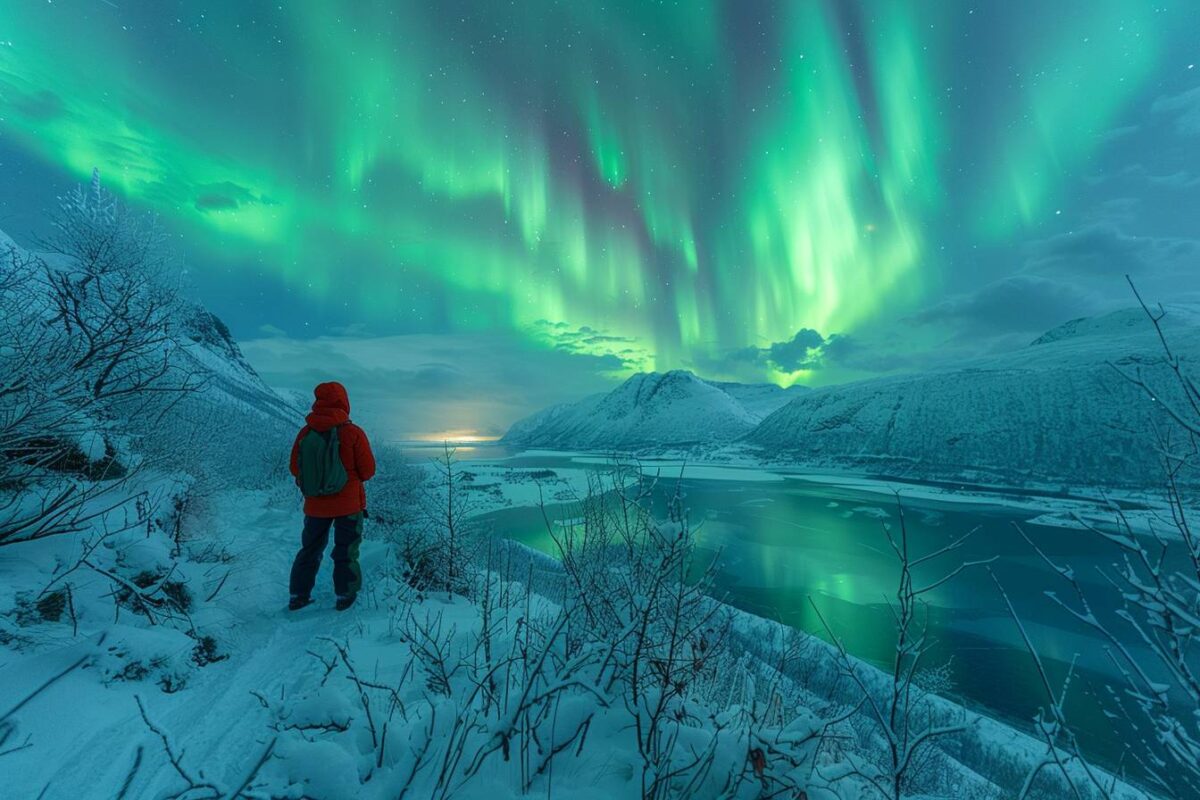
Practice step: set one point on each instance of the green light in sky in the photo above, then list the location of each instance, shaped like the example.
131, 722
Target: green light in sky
653, 172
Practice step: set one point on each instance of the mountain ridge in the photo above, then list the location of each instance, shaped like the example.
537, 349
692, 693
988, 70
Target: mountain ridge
674, 408
1056, 410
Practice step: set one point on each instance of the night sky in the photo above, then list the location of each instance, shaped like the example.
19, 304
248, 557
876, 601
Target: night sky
467, 210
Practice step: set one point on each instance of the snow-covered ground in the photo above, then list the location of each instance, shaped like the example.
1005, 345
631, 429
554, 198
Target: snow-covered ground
334, 705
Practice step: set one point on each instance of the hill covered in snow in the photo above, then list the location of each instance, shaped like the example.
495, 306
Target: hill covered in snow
1056, 411
199, 342
670, 409
231, 378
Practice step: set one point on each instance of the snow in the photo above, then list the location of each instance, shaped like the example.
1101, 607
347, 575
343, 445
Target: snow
651, 410
1054, 412
275, 689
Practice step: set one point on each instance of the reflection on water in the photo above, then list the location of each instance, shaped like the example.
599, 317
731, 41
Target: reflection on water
778, 544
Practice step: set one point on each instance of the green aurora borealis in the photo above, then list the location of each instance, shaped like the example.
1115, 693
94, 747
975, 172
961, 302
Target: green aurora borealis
684, 179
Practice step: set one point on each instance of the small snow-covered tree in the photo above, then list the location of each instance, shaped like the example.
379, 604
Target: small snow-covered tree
114, 297
442, 542
87, 343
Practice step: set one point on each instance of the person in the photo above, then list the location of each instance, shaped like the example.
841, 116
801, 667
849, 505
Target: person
331, 460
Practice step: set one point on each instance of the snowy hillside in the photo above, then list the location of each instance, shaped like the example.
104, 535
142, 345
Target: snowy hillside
230, 374
1055, 411
652, 409
203, 346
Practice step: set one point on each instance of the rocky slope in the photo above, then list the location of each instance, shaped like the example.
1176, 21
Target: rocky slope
231, 378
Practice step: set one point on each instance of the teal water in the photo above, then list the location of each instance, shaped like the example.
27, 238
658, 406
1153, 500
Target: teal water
779, 547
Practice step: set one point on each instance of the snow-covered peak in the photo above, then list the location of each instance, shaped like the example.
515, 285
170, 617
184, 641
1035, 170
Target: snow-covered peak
1055, 412
207, 330
651, 409
654, 388
1123, 323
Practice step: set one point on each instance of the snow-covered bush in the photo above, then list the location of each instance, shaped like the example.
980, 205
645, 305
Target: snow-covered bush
428, 514
97, 379
86, 347
114, 297
1153, 637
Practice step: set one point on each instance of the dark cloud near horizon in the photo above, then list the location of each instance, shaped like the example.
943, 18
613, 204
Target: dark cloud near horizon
801, 352
608, 352
409, 386
806, 351
1025, 303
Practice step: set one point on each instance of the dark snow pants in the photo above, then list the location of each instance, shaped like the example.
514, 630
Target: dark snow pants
347, 536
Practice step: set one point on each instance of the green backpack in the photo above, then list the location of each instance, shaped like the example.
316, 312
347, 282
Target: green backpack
321, 470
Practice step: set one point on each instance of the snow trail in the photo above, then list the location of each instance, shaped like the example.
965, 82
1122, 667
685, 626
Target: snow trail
215, 720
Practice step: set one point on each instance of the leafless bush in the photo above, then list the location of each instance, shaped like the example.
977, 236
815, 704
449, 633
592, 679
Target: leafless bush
441, 545
1063, 763
635, 593
87, 343
1152, 638
908, 725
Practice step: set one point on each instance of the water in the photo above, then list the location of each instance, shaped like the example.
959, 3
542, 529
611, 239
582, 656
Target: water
419, 450
781, 546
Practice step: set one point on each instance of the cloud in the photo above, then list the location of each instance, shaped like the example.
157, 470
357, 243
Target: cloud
1016, 303
41, 106
1184, 108
806, 351
226, 196
1118, 209
801, 352
272, 331
608, 352
1103, 250
1121, 132
1180, 179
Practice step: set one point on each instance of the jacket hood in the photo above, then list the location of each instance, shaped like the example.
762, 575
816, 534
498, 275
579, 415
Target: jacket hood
330, 408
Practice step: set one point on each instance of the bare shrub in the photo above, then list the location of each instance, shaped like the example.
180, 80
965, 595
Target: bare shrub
1151, 639
908, 725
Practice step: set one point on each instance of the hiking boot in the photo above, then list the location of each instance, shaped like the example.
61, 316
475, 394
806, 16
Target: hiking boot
297, 602
344, 601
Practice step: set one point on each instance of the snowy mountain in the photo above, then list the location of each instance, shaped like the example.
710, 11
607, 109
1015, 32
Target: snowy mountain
651, 409
230, 375
208, 348
1054, 411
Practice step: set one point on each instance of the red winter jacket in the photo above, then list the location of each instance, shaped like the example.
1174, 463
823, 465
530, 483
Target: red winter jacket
330, 409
